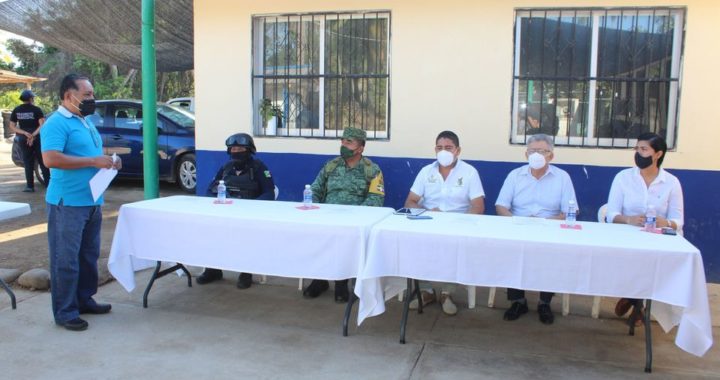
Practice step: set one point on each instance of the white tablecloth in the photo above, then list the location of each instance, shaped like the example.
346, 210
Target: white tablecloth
264, 237
536, 254
10, 210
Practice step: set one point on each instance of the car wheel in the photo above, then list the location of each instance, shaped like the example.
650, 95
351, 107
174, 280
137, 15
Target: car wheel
187, 173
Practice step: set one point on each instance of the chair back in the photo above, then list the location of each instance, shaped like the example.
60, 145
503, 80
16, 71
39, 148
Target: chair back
602, 213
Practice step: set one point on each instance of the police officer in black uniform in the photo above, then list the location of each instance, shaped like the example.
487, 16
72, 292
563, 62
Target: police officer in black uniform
245, 178
26, 120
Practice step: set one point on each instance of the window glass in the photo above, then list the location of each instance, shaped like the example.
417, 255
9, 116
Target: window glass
315, 74
98, 118
128, 117
597, 77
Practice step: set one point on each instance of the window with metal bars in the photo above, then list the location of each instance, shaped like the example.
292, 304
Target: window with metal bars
315, 74
597, 77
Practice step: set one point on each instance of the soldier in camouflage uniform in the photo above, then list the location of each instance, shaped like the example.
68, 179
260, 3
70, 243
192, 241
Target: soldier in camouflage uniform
350, 179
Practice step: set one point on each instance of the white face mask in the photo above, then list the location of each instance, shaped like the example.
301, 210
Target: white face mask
536, 161
445, 158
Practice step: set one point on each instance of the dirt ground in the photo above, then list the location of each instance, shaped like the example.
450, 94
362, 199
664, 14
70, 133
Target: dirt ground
23, 241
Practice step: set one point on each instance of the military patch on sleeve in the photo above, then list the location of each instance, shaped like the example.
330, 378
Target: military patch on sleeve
267, 174
377, 186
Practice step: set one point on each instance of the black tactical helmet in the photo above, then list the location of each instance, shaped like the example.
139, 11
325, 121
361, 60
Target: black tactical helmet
240, 139
26, 95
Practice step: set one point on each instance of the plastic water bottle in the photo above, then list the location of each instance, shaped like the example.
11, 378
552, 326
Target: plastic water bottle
650, 218
222, 192
307, 196
571, 214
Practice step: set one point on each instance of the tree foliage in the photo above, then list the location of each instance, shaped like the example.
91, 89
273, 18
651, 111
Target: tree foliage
109, 80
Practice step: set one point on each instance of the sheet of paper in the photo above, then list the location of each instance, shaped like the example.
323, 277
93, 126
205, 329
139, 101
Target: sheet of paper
100, 182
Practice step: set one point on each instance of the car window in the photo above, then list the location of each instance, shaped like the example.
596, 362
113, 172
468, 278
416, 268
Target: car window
179, 116
98, 118
128, 117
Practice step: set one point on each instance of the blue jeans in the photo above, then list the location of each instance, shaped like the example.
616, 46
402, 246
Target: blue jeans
74, 242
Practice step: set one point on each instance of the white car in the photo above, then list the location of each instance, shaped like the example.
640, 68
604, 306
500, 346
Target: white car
187, 103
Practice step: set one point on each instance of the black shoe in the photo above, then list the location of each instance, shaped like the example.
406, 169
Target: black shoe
96, 308
545, 314
341, 291
244, 281
28, 190
76, 324
208, 276
515, 311
315, 288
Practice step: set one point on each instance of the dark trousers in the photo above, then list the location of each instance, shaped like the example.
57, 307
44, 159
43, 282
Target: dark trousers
31, 155
74, 242
516, 294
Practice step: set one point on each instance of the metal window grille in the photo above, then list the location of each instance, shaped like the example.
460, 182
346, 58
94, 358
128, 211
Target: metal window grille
315, 74
595, 77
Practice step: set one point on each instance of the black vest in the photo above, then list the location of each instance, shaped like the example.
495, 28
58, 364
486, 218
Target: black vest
243, 185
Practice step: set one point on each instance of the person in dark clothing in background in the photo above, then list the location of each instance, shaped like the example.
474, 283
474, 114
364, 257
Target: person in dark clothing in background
26, 121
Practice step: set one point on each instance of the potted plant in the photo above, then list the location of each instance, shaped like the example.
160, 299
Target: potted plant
271, 116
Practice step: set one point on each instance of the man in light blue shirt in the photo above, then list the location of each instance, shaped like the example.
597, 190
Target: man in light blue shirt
535, 190
72, 149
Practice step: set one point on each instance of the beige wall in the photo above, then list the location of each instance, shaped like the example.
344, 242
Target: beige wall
442, 77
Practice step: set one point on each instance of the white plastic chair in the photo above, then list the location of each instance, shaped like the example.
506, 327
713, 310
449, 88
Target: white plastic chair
471, 296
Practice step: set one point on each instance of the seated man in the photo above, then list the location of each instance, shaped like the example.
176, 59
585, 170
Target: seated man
350, 179
450, 185
245, 178
538, 190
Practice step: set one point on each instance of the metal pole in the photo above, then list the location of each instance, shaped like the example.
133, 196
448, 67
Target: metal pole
149, 96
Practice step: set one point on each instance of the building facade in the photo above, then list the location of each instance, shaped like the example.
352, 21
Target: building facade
593, 74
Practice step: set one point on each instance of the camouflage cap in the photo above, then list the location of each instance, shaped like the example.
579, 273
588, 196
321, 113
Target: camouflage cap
354, 134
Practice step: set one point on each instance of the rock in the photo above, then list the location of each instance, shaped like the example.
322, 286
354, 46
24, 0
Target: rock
104, 275
9, 275
38, 279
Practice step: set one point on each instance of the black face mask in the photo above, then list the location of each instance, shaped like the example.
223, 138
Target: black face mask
240, 158
87, 107
642, 162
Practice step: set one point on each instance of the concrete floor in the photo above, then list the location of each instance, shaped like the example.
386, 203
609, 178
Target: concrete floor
270, 332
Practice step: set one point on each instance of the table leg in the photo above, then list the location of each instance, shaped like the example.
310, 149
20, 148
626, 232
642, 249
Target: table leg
10, 293
648, 338
634, 316
349, 306
411, 292
157, 273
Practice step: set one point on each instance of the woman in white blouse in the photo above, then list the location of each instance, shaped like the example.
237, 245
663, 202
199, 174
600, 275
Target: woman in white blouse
633, 189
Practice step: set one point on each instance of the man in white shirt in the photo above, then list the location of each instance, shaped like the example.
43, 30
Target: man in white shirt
535, 190
448, 185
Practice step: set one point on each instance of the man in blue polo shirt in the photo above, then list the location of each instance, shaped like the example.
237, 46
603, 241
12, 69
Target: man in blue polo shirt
72, 149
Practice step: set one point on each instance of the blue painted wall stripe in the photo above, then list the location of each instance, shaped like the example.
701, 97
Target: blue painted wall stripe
592, 184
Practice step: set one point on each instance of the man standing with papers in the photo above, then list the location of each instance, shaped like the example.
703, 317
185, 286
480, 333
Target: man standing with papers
72, 149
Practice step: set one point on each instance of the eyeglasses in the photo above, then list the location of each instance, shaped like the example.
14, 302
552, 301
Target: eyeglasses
544, 152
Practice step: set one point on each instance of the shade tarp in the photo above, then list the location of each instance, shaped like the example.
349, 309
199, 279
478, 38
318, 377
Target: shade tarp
106, 30
8, 77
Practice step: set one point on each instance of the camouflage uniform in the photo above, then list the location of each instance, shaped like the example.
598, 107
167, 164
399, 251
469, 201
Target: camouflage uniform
339, 184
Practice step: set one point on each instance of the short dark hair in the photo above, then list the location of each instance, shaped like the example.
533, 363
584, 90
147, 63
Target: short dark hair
657, 143
450, 135
69, 82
